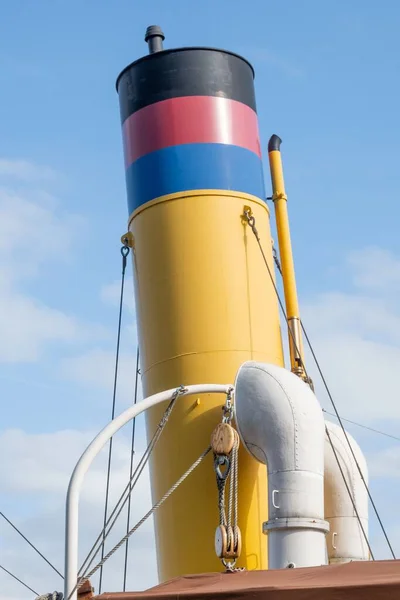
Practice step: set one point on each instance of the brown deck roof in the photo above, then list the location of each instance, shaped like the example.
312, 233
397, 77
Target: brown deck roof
379, 580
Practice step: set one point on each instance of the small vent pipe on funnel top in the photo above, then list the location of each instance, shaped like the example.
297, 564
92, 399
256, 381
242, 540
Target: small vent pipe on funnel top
154, 38
281, 424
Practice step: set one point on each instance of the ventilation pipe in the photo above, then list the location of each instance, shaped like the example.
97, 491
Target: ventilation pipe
154, 39
346, 541
281, 424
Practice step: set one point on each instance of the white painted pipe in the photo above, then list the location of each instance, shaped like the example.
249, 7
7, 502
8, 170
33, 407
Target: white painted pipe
346, 541
281, 424
82, 466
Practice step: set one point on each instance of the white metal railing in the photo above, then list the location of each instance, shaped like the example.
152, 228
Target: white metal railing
85, 461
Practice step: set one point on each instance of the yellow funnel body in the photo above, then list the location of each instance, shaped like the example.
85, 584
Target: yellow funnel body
205, 304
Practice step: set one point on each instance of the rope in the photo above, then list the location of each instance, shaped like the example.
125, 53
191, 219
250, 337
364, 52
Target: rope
131, 472
252, 225
117, 509
145, 517
219, 461
19, 580
235, 490
230, 462
51, 596
233, 493
131, 484
221, 502
31, 545
124, 252
231, 489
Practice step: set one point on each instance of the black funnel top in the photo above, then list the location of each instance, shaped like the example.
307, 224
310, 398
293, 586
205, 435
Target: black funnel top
154, 38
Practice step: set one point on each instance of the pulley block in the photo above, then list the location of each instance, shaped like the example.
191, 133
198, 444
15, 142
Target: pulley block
222, 439
225, 546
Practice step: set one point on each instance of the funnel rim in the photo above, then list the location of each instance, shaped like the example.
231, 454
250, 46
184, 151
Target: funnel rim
183, 49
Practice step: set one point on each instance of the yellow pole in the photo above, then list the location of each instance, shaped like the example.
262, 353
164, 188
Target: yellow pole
286, 258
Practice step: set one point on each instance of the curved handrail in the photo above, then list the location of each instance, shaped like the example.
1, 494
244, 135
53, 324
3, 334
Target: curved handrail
83, 464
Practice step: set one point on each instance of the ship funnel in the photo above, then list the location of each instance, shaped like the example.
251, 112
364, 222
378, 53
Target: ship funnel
204, 305
154, 38
281, 424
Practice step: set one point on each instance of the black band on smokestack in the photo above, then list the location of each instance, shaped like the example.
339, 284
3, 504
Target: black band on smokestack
154, 38
274, 143
180, 72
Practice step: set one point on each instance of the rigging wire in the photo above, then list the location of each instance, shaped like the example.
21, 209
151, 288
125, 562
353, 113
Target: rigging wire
117, 509
124, 252
145, 517
252, 224
348, 441
131, 484
31, 545
350, 494
19, 580
87, 576
131, 470
393, 437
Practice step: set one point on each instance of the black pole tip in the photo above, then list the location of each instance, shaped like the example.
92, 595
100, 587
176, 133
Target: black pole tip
274, 143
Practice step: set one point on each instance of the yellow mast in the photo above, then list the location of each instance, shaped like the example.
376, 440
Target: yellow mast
286, 258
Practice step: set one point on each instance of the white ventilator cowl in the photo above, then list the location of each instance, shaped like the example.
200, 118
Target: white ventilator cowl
281, 424
346, 540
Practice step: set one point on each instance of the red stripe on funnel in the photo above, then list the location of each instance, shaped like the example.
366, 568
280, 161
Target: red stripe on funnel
190, 120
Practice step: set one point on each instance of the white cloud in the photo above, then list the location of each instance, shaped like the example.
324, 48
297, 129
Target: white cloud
96, 368
361, 375
376, 269
26, 327
356, 337
370, 317
47, 473
34, 232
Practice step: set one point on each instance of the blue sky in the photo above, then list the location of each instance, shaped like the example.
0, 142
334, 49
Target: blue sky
326, 82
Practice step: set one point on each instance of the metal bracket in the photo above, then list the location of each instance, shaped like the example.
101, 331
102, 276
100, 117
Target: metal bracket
278, 196
128, 240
